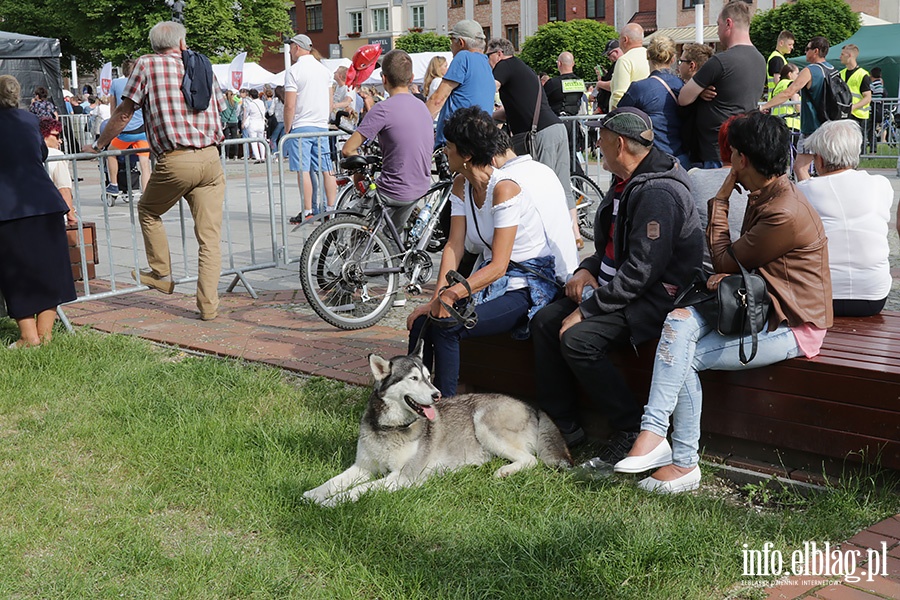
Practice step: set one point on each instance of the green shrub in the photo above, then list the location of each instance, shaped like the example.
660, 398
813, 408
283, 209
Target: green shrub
584, 38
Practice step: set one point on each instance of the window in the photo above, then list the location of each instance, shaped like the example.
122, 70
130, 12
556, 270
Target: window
487, 33
314, 17
456, 3
417, 14
356, 22
484, 1
687, 4
596, 9
379, 19
293, 15
512, 34
556, 10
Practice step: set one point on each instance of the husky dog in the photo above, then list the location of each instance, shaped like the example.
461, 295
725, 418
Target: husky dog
408, 433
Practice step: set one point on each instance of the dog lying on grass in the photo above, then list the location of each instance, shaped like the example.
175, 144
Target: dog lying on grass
408, 433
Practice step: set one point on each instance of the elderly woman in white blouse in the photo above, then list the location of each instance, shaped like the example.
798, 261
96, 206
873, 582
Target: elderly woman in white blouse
855, 209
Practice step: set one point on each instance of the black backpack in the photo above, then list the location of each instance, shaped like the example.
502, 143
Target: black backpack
836, 96
198, 78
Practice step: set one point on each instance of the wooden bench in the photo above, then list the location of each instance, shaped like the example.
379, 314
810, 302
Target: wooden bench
841, 405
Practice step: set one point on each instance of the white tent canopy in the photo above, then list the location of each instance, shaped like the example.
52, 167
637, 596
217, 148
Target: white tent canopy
420, 65
254, 76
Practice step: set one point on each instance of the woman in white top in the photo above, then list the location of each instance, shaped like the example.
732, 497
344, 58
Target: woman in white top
492, 215
254, 123
434, 74
855, 208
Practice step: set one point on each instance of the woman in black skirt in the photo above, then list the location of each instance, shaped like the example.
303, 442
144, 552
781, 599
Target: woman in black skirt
35, 271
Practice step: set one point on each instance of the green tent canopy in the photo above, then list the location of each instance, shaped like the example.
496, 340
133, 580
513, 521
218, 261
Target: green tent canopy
878, 47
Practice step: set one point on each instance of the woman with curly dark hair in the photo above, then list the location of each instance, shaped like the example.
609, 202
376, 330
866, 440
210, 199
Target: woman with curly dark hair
35, 271
492, 215
41, 104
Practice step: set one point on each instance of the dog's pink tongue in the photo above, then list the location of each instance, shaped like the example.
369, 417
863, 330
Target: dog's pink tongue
429, 412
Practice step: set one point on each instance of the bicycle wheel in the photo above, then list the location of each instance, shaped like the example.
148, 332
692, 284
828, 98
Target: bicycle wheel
587, 199
336, 272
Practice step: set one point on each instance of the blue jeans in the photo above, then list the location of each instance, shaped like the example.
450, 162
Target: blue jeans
688, 345
442, 338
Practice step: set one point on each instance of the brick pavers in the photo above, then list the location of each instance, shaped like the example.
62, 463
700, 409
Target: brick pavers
274, 329
885, 583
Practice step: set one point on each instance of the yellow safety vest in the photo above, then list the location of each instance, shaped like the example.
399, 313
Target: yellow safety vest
854, 84
794, 121
770, 79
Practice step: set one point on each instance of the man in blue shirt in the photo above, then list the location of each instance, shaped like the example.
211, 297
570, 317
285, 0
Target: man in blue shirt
469, 80
133, 136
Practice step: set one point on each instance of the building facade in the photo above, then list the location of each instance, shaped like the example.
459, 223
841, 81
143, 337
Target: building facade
338, 27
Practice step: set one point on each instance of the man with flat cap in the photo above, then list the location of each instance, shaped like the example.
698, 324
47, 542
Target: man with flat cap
648, 243
469, 80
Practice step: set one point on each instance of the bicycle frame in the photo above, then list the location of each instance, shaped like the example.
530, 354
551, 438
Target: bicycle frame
382, 221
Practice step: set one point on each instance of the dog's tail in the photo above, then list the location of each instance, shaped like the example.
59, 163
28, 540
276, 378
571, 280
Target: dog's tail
552, 449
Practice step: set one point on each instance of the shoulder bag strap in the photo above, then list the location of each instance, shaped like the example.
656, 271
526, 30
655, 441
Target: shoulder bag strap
662, 81
749, 303
514, 263
537, 107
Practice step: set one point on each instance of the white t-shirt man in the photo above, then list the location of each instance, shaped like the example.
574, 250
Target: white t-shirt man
312, 81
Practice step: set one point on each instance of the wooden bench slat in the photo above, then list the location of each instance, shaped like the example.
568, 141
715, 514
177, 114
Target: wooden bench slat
798, 436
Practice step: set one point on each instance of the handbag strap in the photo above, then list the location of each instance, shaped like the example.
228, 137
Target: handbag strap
662, 81
537, 107
513, 263
749, 304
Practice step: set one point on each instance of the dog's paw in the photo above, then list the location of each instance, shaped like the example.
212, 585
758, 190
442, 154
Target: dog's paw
314, 496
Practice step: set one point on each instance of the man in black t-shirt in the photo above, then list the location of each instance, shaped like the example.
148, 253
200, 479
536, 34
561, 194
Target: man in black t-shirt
728, 84
519, 87
565, 94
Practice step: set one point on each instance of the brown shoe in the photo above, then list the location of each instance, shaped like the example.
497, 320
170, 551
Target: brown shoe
151, 279
208, 316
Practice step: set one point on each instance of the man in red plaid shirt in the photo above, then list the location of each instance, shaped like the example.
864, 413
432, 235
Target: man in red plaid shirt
185, 143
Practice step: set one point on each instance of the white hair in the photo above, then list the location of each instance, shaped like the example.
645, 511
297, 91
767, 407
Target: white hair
837, 143
167, 35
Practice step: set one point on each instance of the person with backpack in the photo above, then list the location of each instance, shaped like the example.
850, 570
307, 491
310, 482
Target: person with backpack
815, 84
182, 103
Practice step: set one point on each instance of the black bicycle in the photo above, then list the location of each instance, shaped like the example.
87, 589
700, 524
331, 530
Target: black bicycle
351, 265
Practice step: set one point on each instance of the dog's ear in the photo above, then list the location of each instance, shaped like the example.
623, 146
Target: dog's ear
380, 367
420, 345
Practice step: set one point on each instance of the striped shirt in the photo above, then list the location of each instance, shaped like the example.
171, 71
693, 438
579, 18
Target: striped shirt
155, 86
877, 88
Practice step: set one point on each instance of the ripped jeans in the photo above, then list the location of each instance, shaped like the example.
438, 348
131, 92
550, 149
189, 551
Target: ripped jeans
688, 345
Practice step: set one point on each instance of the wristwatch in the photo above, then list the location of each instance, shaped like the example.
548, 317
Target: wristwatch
95, 147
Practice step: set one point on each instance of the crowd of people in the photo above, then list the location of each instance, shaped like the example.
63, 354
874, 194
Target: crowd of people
698, 177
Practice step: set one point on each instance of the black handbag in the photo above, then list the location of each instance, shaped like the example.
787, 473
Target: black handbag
739, 306
523, 143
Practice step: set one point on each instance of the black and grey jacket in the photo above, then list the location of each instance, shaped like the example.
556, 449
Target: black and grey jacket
658, 246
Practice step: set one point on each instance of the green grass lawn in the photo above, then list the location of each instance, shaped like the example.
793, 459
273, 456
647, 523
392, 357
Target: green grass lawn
130, 471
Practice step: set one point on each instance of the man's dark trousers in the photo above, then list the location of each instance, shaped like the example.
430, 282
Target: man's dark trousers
581, 357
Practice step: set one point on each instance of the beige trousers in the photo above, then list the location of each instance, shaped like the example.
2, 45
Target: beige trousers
197, 176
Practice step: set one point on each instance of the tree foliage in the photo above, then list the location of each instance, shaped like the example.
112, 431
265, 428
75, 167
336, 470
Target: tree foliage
584, 38
423, 42
833, 19
112, 30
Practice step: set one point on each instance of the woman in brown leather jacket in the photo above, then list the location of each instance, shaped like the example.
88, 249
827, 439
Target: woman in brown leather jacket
782, 239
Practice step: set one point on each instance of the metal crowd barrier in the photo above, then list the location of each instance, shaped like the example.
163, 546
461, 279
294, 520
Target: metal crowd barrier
882, 134
246, 246
77, 130
589, 157
290, 232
